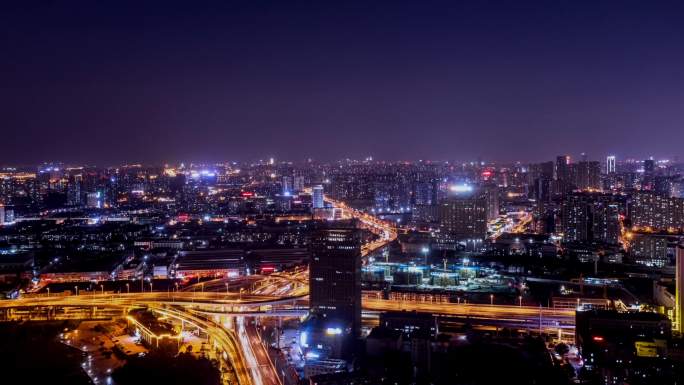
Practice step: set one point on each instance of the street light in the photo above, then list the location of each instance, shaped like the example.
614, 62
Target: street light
227, 292
102, 288
76, 288
520, 300
128, 289
150, 286
491, 299
48, 290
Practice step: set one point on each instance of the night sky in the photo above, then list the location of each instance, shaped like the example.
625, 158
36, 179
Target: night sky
113, 81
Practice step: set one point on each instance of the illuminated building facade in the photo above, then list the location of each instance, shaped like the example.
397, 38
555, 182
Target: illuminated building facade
317, 197
610, 164
679, 297
652, 211
649, 250
464, 216
590, 217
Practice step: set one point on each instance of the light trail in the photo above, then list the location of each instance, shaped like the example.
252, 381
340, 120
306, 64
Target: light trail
247, 354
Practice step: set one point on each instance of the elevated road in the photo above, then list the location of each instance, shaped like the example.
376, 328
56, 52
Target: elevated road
220, 304
385, 231
206, 304
551, 321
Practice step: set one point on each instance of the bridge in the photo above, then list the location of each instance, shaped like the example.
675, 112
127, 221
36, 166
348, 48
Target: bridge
215, 304
278, 295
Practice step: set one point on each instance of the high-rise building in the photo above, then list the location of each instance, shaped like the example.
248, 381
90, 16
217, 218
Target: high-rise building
610, 164
543, 170
94, 200
589, 218
665, 186
464, 216
649, 249
647, 182
74, 190
2, 214
562, 178
491, 192
649, 167
317, 197
679, 297
286, 185
653, 211
298, 183
541, 190
562, 167
586, 175
335, 289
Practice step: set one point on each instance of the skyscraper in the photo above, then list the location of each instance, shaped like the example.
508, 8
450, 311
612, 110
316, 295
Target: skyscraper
491, 192
317, 197
335, 288
74, 190
562, 167
647, 182
286, 184
590, 217
562, 183
649, 166
679, 300
610, 164
586, 175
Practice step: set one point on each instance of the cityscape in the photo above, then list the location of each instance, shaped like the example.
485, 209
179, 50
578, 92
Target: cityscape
150, 234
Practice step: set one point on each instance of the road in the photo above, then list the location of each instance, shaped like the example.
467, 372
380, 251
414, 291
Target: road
204, 303
259, 363
513, 222
549, 320
243, 348
385, 231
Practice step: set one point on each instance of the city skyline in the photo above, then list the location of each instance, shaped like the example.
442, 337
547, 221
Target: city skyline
270, 192
573, 158
301, 272
438, 80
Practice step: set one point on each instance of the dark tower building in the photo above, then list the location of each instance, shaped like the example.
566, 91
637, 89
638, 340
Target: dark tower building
586, 175
562, 167
562, 182
649, 166
649, 174
335, 288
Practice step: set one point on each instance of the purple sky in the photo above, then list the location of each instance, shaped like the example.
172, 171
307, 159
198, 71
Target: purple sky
243, 80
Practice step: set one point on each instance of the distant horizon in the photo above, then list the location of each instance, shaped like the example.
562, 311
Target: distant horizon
574, 159
101, 82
